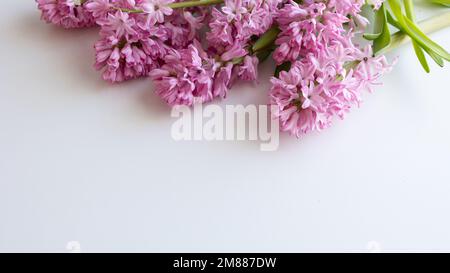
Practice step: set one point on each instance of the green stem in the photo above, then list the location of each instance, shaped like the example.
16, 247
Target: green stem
130, 10
266, 40
198, 3
428, 26
409, 9
180, 5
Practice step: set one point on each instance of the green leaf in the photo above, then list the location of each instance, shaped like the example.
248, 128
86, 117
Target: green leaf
422, 39
378, 23
384, 39
409, 8
442, 2
411, 29
421, 56
392, 21
417, 48
435, 57
371, 36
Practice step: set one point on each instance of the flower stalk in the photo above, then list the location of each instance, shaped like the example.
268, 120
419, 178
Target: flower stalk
179, 5
198, 3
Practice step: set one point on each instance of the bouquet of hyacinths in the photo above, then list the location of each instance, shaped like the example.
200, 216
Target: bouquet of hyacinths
195, 50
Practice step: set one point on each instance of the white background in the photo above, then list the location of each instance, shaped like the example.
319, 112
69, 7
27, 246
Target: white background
85, 161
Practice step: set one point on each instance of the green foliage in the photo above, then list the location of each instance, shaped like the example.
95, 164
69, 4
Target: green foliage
381, 37
442, 2
400, 14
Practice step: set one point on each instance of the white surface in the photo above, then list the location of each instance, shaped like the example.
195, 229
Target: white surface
81, 160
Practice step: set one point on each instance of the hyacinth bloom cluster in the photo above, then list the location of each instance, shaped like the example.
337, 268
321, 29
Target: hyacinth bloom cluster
150, 38
194, 50
318, 88
198, 74
132, 44
66, 13
328, 71
238, 20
